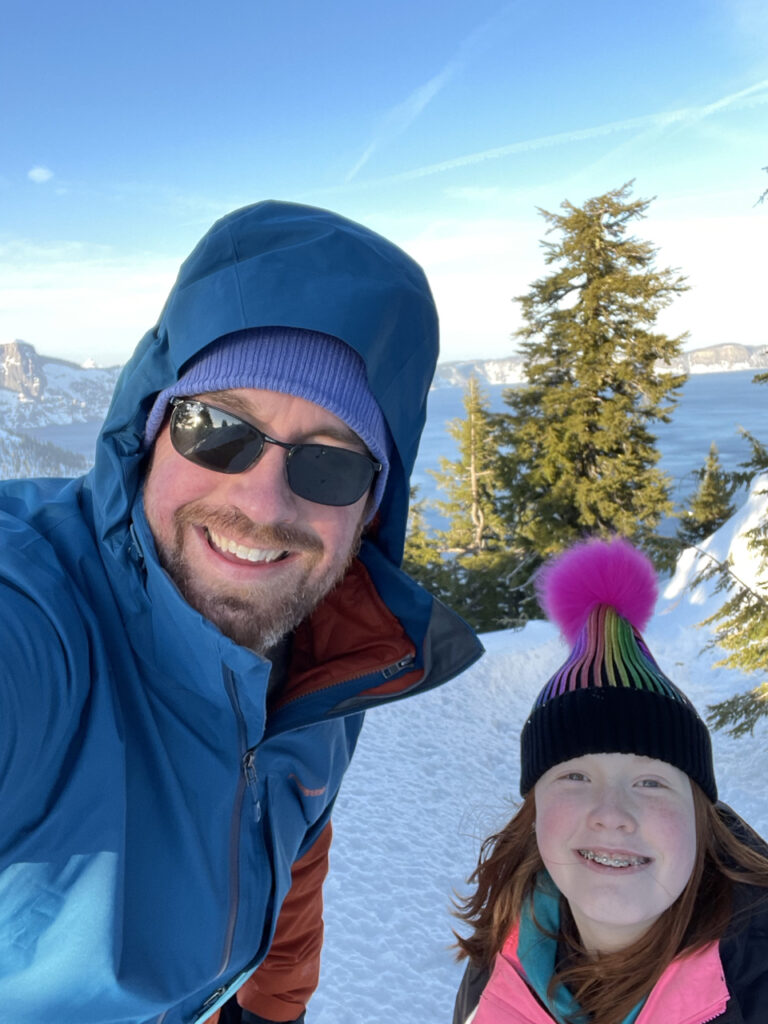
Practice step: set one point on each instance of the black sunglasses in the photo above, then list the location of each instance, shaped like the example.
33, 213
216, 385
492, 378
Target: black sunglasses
218, 440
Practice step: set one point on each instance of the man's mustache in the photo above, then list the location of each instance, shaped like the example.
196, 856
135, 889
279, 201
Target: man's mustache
233, 520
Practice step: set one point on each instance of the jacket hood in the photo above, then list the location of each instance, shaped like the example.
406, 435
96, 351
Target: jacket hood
288, 265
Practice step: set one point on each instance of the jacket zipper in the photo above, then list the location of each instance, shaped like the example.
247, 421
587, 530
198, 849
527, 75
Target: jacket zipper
392, 670
247, 779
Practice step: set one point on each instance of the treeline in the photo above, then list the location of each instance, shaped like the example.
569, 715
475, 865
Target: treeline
575, 455
23, 456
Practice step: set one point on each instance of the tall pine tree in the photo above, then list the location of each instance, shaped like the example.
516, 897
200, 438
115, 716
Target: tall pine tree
470, 482
579, 457
710, 506
422, 557
491, 583
467, 564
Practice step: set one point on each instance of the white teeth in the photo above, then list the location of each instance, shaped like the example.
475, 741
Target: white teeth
614, 861
248, 554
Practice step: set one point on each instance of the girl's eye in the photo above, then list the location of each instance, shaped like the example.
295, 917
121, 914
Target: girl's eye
651, 784
575, 777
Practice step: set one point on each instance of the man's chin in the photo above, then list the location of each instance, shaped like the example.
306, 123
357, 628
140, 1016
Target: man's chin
257, 623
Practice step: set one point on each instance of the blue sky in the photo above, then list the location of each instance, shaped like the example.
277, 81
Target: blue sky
127, 128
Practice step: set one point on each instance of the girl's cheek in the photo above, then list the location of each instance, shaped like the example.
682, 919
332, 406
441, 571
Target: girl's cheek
553, 822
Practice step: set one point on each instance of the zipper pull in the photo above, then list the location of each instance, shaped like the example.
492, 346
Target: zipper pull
392, 670
252, 779
249, 767
212, 998
135, 548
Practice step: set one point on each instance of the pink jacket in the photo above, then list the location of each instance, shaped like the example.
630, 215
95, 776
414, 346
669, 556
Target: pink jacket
691, 991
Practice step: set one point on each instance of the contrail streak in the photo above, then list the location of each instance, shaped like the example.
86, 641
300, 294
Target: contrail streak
402, 116
753, 95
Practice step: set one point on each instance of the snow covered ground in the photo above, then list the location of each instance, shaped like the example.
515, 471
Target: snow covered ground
434, 775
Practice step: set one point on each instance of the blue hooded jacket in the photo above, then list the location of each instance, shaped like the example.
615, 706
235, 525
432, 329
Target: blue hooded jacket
152, 805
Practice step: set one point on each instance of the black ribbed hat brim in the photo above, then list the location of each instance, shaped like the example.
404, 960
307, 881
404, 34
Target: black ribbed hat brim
621, 720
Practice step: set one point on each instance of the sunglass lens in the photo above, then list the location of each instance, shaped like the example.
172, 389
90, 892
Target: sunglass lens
329, 476
220, 441
214, 439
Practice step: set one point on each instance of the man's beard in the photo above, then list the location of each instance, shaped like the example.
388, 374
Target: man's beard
261, 618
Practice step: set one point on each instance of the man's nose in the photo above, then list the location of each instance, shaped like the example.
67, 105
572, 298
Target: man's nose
262, 491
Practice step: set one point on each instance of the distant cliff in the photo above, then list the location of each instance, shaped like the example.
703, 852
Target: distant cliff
21, 369
37, 391
714, 359
723, 358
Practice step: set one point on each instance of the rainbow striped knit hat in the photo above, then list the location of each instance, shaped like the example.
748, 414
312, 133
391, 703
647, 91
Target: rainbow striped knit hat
610, 696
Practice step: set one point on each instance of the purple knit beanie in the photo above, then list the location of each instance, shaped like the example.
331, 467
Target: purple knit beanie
306, 364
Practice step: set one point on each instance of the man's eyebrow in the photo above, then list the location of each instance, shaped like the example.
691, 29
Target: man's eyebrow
235, 403
232, 399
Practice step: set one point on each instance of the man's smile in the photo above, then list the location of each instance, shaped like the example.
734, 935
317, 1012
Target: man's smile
227, 546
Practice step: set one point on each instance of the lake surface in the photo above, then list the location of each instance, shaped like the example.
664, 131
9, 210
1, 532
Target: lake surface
712, 408
75, 437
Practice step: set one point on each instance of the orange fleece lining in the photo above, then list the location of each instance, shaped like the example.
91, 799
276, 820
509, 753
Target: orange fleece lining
351, 634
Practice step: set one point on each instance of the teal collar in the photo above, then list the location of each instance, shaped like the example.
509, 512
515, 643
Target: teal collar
537, 952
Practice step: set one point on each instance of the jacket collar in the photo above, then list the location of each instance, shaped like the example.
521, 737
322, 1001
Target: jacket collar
692, 990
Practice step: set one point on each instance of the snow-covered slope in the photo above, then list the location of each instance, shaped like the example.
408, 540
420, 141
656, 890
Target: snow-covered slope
435, 775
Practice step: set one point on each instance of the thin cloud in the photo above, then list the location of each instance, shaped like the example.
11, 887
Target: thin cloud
40, 174
401, 117
751, 96
59, 296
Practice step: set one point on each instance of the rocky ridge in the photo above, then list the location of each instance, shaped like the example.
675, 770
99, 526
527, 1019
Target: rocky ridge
713, 359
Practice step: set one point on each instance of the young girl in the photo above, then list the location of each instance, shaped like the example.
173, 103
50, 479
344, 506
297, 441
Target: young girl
621, 892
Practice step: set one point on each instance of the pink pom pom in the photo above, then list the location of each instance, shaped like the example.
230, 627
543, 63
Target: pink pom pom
597, 572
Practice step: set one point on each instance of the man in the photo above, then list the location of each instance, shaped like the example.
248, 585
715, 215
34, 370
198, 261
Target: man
192, 632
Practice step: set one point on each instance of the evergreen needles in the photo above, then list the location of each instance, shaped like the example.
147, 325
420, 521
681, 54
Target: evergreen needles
578, 456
